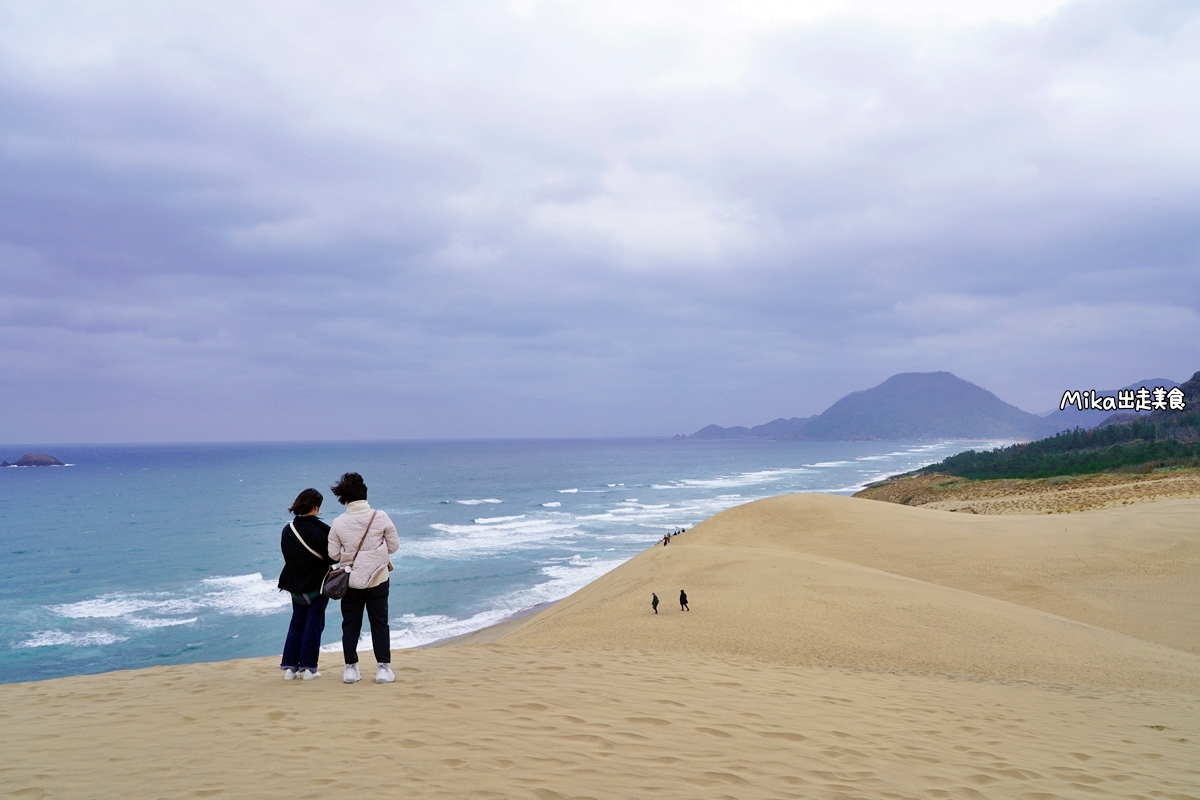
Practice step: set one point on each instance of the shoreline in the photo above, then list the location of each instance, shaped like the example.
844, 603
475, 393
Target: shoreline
488, 633
882, 490
834, 647
572, 517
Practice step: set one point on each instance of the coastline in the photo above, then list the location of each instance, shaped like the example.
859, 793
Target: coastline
489, 528
833, 647
490, 633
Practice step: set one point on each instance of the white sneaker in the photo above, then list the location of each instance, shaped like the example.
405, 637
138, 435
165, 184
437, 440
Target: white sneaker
350, 674
289, 674
383, 674
309, 674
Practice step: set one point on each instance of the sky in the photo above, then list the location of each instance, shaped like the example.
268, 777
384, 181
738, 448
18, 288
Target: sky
254, 221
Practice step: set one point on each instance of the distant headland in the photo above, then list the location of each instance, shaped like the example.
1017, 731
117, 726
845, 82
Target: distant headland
911, 405
34, 460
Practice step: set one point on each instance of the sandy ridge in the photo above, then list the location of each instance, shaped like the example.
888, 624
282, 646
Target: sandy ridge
931, 592
836, 648
1059, 495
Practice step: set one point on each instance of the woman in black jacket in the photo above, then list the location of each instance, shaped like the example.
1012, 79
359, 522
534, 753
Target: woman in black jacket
305, 546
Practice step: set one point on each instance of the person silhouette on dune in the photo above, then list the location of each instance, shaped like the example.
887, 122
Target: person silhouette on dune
683, 606
654, 602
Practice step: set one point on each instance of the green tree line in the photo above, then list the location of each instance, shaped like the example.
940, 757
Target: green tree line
1166, 441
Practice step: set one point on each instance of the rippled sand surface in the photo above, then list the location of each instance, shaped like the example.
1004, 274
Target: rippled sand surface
835, 648
1059, 495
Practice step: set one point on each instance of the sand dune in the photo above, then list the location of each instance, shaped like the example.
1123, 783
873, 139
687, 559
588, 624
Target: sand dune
490, 721
835, 648
1057, 495
1135, 570
807, 610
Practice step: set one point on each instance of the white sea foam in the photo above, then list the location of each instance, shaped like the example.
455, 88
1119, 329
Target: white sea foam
470, 541
160, 623
565, 577
638, 538
242, 595
567, 491
28, 466
741, 479
235, 595
411, 630
116, 617
494, 520
555, 504
105, 607
864, 483
478, 502
538, 526
87, 639
659, 516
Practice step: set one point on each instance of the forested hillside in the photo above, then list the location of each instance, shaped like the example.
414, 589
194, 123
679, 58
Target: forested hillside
1168, 437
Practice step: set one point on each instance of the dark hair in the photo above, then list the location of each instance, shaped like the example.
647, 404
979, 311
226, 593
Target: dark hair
306, 501
350, 488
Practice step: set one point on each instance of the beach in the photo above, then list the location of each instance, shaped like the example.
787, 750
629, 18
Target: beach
487, 529
835, 647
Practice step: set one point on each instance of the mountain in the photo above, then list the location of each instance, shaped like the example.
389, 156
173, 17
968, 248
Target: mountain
717, 432
777, 429
911, 405
1071, 417
925, 405
782, 428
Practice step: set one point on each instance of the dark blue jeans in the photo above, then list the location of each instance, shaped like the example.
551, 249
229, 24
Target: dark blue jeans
375, 600
303, 644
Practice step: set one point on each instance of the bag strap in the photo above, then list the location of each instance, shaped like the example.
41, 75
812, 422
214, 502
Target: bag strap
364, 537
292, 525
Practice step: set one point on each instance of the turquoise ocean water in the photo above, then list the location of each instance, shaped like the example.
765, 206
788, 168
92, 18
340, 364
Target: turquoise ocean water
165, 554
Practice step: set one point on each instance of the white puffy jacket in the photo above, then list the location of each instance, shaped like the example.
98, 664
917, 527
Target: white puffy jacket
370, 568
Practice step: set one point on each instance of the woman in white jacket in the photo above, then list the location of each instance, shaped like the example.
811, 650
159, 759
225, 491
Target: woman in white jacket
363, 539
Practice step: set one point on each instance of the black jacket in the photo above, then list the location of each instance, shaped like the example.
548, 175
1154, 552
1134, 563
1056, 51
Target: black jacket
302, 571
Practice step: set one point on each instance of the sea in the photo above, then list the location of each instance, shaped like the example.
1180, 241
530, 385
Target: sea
138, 555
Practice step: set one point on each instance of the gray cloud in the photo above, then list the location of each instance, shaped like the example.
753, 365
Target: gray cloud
240, 221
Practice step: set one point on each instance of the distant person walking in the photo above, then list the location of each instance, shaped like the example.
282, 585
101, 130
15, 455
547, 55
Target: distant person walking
683, 606
666, 540
654, 602
305, 546
363, 539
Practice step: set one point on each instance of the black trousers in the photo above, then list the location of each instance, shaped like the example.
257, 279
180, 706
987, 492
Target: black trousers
375, 600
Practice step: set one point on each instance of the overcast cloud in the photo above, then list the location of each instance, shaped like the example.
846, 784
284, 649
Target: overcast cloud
241, 220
